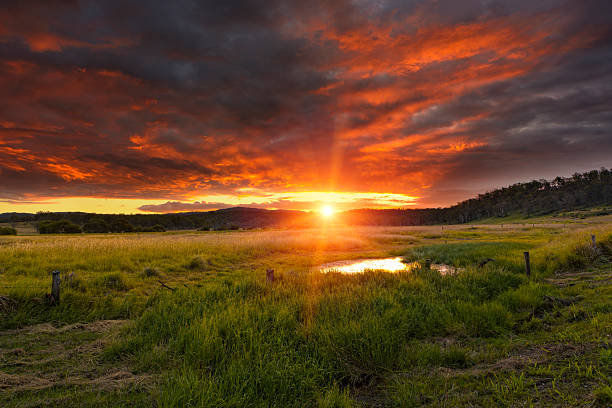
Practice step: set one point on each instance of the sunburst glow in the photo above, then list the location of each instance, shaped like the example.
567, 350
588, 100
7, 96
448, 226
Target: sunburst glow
327, 211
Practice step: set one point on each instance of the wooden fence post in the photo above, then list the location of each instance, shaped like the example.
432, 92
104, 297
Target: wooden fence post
593, 242
270, 275
527, 266
55, 287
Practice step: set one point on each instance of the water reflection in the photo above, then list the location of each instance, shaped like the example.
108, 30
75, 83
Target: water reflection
361, 265
380, 264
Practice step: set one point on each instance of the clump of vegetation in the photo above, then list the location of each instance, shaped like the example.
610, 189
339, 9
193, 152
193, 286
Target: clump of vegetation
121, 225
198, 263
112, 281
150, 271
74, 282
603, 396
58, 227
574, 251
335, 397
8, 231
96, 225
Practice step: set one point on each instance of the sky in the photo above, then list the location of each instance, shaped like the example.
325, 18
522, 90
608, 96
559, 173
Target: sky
160, 106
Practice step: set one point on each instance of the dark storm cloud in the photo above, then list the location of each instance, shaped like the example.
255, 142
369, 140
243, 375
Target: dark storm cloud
174, 99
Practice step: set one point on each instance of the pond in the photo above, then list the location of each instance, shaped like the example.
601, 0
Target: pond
395, 264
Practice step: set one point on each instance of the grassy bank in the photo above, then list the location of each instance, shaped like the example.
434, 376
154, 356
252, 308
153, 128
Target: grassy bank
487, 336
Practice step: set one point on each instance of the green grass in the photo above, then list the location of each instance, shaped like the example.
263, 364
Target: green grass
485, 336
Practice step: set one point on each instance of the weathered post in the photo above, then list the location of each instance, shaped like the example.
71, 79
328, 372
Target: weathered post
593, 241
55, 287
527, 266
270, 275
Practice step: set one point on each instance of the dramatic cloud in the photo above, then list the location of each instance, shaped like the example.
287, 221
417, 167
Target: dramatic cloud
182, 101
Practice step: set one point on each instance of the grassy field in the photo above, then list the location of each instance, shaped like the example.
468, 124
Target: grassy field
224, 337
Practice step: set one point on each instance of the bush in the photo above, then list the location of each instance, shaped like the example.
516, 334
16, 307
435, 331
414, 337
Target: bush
96, 225
58, 227
121, 225
8, 231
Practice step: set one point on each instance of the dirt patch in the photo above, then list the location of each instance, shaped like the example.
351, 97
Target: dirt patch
371, 396
571, 279
528, 356
42, 356
48, 328
113, 380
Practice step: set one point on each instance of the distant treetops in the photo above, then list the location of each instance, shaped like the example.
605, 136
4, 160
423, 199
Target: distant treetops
94, 225
8, 231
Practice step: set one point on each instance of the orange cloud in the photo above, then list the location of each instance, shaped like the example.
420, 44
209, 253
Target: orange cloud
345, 99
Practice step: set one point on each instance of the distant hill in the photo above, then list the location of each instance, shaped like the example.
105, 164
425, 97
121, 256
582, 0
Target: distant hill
534, 198
224, 219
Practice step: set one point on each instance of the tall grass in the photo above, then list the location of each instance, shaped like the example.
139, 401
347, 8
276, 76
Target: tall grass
307, 339
247, 343
111, 275
550, 251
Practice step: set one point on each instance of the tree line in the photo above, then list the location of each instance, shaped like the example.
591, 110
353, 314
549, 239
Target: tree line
534, 198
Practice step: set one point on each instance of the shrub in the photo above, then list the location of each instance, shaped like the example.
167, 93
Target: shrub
121, 225
8, 231
58, 227
96, 225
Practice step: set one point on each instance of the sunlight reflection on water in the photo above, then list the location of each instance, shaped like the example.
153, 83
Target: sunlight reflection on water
379, 264
361, 265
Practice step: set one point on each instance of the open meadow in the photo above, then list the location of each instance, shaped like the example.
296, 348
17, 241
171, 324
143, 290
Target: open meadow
188, 319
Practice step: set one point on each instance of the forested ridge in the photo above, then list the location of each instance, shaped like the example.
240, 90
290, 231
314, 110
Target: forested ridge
534, 198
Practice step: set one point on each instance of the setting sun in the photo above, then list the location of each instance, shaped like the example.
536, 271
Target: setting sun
327, 211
